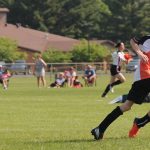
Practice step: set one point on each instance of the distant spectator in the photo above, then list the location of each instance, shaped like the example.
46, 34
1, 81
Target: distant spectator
4, 77
70, 76
89, 75
59, 81
105, 68
39, 70
77, 83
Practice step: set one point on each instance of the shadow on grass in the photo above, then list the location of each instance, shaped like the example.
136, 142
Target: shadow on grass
77, 140
61, 141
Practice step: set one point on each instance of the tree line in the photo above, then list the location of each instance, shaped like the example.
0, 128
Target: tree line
83, 52
99, 19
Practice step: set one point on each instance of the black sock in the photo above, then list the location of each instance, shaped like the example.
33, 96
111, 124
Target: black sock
124, 98
106, 90
116, 83
110, 118
141, 122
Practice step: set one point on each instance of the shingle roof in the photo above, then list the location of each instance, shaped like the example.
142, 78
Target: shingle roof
105, 42
35, 40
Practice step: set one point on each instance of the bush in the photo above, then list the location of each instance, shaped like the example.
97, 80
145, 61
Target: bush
53, 55
9, 50
89, 52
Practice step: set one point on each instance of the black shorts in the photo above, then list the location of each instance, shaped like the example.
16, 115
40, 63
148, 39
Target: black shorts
139, 90
114, 69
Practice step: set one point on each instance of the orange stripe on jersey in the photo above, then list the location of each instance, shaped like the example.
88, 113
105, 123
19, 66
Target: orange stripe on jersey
145, 68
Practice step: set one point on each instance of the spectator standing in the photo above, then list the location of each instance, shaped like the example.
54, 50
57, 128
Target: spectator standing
105, 64
39, 70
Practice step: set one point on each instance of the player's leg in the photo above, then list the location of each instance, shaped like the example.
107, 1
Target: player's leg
108, 87
120, 80
138, 93
98, 132
138, 123
119, 99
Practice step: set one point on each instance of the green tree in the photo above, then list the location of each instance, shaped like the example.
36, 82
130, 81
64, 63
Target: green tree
76, 18
102, 19
7, 3
54, 56
8, 50
89, 52
128, 18
73, 18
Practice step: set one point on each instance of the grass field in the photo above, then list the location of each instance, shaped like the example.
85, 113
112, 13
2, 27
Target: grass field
34, 118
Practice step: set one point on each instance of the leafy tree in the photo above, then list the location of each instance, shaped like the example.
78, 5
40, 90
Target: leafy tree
53, 55
102, 19
6, 3
89, 52
76, 18
8, 50
73, 18
128, 18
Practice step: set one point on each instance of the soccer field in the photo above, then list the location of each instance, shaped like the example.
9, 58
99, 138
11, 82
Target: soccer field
34, 118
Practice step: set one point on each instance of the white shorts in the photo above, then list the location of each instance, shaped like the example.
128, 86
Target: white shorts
40, 74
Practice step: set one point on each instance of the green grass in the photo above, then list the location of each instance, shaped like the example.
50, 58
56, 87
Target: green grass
34, 118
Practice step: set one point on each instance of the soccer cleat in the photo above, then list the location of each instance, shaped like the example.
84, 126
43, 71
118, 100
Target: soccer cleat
97, 134
116, 100
134, 130
111, 89
5, 87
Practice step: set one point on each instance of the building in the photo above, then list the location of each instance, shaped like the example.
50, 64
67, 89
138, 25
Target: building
33, 41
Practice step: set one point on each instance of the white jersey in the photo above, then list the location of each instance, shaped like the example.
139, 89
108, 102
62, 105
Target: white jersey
60, 81
143, 70
117, 58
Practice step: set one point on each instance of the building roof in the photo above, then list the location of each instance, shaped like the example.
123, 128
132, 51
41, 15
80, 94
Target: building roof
35, 40
107, 43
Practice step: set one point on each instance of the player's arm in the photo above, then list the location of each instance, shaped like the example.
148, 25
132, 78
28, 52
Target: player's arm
136, 48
